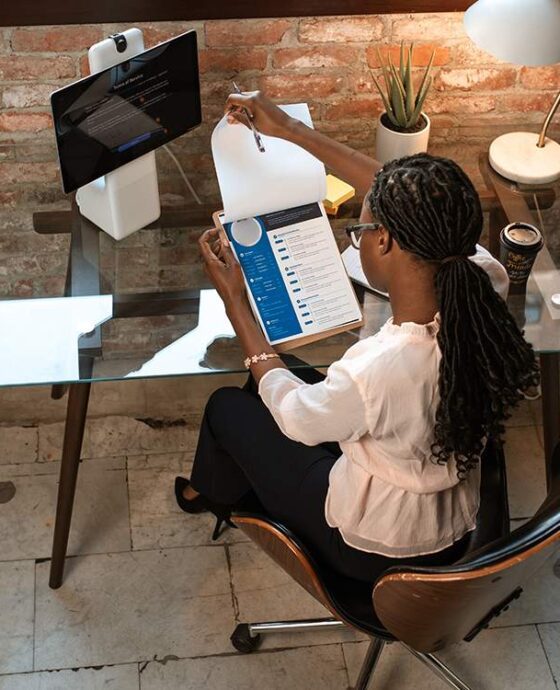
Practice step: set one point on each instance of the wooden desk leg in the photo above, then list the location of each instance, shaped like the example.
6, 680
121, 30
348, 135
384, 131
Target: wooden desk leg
76, 412
550, 383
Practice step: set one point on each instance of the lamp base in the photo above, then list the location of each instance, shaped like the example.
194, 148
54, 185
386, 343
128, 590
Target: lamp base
517, 157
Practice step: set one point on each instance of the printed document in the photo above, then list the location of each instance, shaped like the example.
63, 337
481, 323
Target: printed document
274, 218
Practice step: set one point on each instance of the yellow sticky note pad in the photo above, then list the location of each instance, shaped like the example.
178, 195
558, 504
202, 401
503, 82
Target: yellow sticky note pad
337, 193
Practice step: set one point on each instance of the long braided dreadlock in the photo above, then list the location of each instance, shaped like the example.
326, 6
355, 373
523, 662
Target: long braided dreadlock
431, 209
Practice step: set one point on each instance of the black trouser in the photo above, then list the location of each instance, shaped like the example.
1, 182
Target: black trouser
241, 449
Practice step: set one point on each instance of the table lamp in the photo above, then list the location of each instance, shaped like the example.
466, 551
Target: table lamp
524, 32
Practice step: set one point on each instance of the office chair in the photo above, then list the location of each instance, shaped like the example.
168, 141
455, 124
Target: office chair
423, 608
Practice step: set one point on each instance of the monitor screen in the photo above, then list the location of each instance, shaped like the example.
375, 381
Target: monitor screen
114, 116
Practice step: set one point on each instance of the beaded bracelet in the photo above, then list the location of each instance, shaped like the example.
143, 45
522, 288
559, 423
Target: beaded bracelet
253, 359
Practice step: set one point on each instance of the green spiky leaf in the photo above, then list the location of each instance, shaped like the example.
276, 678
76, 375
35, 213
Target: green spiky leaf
385, 99
425, 78
419, 103
408, 87
397, 80
397, 102
385, 71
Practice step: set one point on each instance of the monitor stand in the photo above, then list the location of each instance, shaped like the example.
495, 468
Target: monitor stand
125, 199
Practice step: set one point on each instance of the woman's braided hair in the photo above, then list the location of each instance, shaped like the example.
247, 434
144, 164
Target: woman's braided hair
431, 209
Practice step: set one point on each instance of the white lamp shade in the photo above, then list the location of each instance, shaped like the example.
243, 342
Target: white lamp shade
524, 32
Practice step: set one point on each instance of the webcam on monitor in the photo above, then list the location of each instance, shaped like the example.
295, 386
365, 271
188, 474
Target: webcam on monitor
109, 124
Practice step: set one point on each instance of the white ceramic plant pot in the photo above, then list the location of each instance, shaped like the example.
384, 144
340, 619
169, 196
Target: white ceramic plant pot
390, 144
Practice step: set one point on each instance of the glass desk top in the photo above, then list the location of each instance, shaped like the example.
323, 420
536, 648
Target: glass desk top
143, 307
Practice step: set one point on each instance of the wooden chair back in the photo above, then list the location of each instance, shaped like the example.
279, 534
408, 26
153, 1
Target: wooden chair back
429, 608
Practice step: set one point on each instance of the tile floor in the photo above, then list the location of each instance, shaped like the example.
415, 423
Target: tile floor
149, 601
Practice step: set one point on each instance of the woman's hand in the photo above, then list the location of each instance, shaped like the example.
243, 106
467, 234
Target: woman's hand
267, 117
222, 268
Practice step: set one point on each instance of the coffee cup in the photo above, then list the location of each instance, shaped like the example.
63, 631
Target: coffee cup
520, 244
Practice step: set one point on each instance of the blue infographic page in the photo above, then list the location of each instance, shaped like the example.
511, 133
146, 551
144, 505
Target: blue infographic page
294, 272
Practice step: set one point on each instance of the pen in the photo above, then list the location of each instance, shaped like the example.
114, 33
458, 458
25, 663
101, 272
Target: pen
257, 136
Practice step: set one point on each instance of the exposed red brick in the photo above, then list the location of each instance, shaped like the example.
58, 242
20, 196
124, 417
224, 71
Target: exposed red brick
304, 87
162, 31
15, 173
212, 112
459, 104
213, 60
26, 95
467, 54
14, 121
420, 57
23, 287
10, 198
4, 42
475, 79
369, 108
442, 121
524, 103
340, 29
217, 90
84, 66
541, 77
247, 32
53, 286
55, 39
28, 68
7, 152
320, 56
468, 153
362, 83
428, 27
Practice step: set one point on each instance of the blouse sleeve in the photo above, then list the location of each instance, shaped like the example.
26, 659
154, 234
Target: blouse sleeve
332, 410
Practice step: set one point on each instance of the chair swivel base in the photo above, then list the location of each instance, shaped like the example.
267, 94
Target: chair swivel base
246, 638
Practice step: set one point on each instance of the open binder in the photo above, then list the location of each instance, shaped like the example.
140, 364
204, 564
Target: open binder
275, 221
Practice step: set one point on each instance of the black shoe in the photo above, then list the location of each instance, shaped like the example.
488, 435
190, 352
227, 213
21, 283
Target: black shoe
194, 505
201, 504
220, 519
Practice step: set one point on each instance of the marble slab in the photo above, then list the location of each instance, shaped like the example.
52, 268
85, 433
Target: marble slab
511, 658
105, 436
106, 678
18, 444
550, 637
155, 518
127, 607
540, 600
100, 521
316, 667
525, 471
17, 584
264, 592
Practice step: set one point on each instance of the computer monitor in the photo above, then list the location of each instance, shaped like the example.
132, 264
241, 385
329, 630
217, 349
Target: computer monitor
121, 113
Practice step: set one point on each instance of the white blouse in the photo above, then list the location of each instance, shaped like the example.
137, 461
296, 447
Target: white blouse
386, 493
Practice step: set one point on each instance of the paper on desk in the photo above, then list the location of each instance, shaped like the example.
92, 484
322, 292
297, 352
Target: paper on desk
39, 337
253, 183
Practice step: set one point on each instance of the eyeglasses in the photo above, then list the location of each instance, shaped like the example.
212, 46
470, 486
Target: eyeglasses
355, 232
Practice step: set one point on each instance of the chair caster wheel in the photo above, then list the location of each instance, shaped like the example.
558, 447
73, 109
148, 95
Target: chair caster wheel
243, 641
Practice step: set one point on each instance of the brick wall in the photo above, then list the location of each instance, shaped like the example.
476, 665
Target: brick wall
325, 61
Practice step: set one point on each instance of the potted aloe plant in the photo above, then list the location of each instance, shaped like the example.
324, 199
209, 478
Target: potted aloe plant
404, 128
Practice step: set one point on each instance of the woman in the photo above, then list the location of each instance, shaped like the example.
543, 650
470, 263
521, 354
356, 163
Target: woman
380, 460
